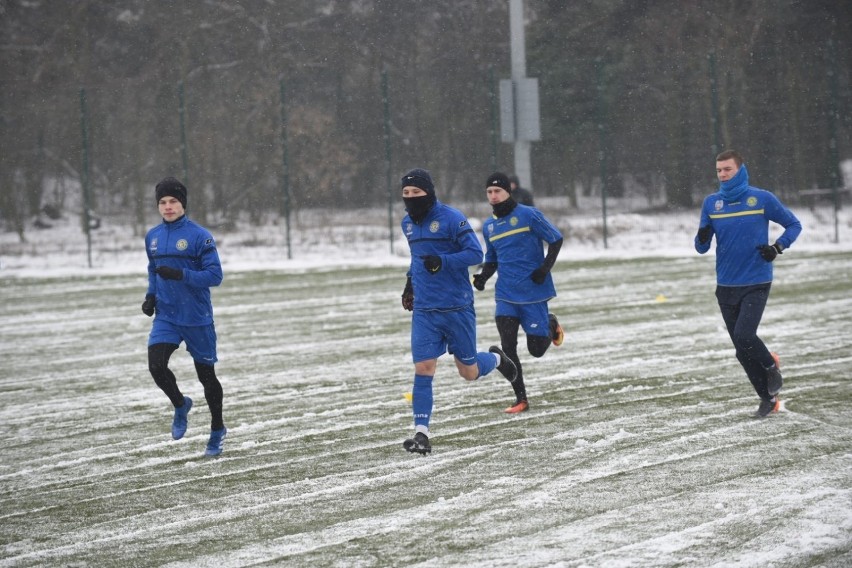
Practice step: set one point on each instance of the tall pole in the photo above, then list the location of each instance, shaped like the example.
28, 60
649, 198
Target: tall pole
386, 107
84, 176
285, 171
519, 71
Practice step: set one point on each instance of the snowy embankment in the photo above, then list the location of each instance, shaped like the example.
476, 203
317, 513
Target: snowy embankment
328, 238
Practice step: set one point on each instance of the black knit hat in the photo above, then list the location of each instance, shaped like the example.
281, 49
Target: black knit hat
419, 178
500, 180
172, 187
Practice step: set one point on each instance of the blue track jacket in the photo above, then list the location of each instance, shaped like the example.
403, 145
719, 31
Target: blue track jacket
186, 245
444, 232
740, 227
516, 243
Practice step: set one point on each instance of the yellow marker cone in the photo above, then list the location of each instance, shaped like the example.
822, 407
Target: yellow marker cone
408, 396
660, 299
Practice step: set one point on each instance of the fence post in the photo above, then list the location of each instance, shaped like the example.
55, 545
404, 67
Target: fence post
832, 125
492, 99
602, 151
84, 175
714, 101
386, 105
183, 148
285, 170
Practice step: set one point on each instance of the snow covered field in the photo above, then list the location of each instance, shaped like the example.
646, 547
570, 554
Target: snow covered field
639, 448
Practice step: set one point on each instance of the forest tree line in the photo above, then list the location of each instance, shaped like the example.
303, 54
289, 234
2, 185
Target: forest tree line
244, 98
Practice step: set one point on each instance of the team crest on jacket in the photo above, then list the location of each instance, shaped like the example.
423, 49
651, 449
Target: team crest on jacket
752, 201
154, 245
513, 221
434, 226
719, 205
181, 244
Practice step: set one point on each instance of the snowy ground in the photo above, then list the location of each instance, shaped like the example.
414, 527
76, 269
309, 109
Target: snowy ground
639, 449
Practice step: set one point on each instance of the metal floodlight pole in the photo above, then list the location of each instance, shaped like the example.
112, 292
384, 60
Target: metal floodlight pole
519, 71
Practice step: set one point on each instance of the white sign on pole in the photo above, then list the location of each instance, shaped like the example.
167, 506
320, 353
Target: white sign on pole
527, 119
520, 119
507, 111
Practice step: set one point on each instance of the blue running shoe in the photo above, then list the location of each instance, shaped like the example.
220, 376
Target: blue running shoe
216, 441
180, 422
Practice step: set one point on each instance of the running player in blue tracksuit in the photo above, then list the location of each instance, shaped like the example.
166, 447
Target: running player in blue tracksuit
739, 215
443, 246
514, 248
182, 266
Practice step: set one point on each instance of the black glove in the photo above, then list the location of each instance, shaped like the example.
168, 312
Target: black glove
479, 281
169, 273
539, 274
488, 270
408, 296
705, 233
432, 263
769, 252
148, 305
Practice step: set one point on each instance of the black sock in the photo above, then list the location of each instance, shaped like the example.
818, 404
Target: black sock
158, 365
212, 392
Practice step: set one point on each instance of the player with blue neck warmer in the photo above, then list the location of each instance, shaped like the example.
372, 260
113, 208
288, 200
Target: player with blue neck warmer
738, 215
734, 188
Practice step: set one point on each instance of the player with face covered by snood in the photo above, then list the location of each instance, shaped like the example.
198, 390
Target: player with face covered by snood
515, 236
438, 292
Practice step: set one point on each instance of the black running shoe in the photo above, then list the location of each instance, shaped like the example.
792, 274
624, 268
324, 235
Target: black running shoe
557, 334
774, 382
419, 444
506, 367
768, 407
